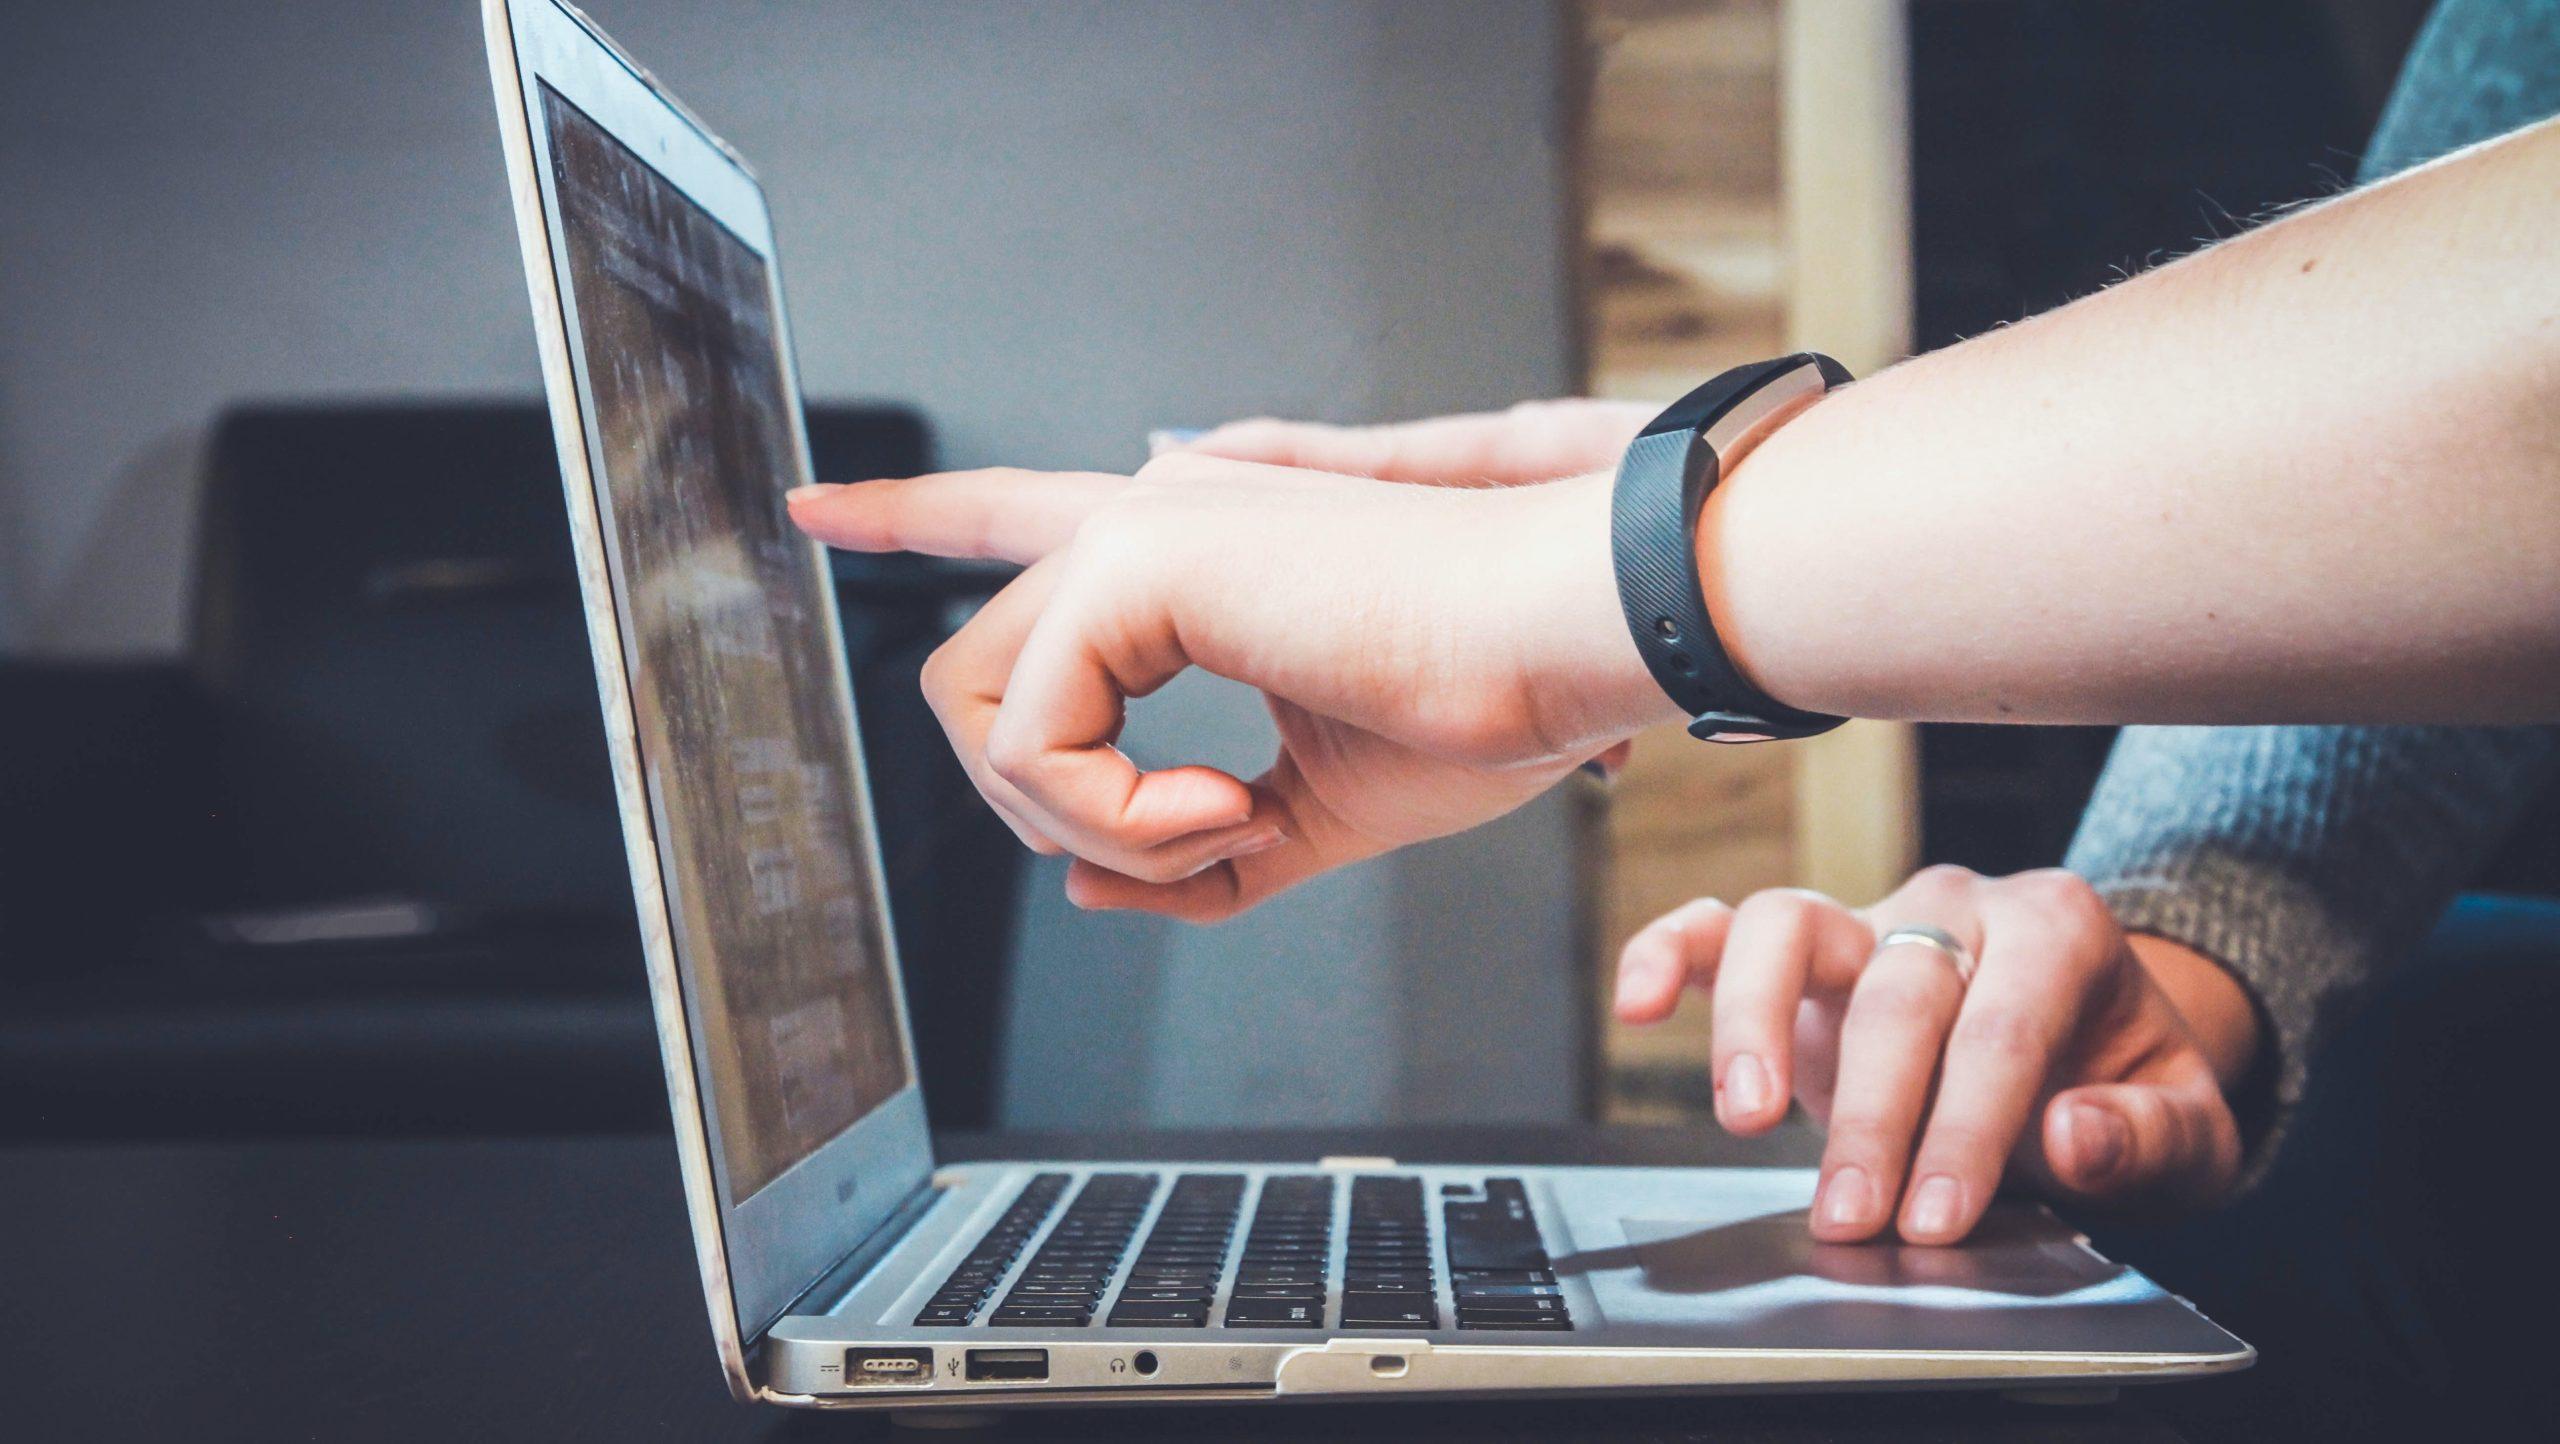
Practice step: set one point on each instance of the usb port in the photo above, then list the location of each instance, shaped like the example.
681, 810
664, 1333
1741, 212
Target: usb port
1009, 1364
888, 1366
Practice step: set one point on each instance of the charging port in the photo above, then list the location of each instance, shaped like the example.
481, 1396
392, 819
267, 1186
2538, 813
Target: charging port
1015, 1365
888, 1366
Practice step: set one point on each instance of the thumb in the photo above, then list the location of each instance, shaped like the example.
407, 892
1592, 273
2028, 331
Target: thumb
1311, 841
2132, 1142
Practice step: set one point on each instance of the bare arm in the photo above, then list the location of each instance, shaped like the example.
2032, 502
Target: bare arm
2309, 474
2313, 474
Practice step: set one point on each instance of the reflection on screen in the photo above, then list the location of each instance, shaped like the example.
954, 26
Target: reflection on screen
742, 737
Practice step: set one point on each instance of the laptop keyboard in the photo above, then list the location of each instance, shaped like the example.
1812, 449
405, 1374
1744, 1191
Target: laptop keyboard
1076, 1261
1499, 1275
1387, 1278
965, 1292
1288, 1255
1498, 1270
1177, 1270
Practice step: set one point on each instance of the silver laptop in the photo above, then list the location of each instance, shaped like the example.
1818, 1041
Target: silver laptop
841, 1267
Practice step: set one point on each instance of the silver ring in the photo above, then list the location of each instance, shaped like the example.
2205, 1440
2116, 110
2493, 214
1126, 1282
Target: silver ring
1929, 937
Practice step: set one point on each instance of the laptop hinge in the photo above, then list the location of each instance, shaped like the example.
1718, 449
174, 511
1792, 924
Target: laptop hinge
830, 1287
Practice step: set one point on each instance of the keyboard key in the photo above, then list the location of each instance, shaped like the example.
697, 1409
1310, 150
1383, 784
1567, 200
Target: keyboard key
1512, 1308
1423, 1286
1275, 1313
1186, 1314
1277, 1291
1358, 1271
1010, 1313
1370, 1313
1467, 1291
1514, 1322
1483, 1236
1501, 1226
1503, 1276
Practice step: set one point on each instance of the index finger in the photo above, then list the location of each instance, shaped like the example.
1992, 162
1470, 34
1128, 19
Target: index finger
1782, 944
998, 513
1532, 442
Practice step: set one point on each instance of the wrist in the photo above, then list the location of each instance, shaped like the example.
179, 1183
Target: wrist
2217, 1009
1752, 564
1586, 684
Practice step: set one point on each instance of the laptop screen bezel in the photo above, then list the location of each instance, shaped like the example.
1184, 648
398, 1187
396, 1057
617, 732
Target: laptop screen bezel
760, 1253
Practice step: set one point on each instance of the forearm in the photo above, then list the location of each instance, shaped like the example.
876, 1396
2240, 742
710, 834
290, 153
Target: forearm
2309, 474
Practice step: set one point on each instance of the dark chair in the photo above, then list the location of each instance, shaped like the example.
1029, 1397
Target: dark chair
354, 865
388, 631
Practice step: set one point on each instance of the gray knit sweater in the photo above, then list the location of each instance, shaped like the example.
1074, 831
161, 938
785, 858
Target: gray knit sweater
2310, 859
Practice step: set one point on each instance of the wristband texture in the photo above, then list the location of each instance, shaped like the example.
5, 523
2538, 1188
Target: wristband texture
1662, 484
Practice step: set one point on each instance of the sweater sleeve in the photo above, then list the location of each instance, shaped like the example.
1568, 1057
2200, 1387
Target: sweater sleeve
2307, 860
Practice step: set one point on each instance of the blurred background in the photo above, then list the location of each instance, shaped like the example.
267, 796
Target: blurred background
302, 788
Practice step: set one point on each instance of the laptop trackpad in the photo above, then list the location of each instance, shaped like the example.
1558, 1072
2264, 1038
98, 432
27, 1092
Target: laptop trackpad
2011, 1255
1755, 1278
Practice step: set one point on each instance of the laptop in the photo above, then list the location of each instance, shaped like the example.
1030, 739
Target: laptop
841, 1266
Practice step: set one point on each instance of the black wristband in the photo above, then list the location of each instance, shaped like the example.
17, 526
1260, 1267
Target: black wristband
1663, 481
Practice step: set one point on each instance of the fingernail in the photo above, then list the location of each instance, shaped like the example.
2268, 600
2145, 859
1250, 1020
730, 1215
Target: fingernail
1635, 980
1172, 438
1626, 992
2097, 1140
813, 489
1262, 841
1746, 1086
1639, 979
1934, 1205
1848, 1197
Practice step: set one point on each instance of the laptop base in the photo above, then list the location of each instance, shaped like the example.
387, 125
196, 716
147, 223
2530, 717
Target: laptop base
1674, 1281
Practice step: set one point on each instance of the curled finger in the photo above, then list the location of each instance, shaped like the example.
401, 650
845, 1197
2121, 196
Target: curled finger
1675, 951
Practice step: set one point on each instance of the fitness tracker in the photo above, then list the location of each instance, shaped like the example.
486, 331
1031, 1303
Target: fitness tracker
1653, 524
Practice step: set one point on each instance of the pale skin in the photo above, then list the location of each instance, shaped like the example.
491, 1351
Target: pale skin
2310, 474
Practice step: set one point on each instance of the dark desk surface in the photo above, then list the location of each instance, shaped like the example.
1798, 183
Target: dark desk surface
544, 1289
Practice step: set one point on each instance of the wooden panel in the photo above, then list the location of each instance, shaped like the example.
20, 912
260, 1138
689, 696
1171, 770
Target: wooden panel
1845, 130
1735, 206
1680, 183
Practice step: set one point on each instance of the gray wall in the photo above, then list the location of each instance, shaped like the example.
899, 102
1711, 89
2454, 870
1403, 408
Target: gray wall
1052, 226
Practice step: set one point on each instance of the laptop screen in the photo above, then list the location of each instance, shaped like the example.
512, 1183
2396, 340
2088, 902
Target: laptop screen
760, 821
